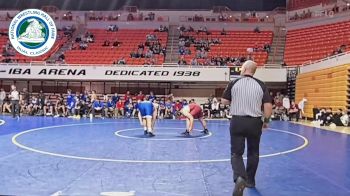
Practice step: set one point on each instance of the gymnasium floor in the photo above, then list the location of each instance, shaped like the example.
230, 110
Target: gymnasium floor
45, 156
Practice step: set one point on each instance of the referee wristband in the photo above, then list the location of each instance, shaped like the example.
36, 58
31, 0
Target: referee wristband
266, 120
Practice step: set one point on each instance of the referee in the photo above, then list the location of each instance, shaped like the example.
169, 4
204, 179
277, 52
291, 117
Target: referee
251, 108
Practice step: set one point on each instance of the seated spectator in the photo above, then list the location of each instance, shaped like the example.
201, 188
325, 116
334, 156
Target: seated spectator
98, 106
141, 46
149, 54
112, 28
6, 108
340, 118
116, 43
61, 57
121, 61
257, 30
327, 117
293, 111
106, 43
83, 45
119, 109
182, 61
194, 61
223, 32
162, 29
109, 109
182, 51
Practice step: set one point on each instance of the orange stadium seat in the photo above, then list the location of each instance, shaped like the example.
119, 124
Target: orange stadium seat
61, 39
315, 43
234, 44
98, 54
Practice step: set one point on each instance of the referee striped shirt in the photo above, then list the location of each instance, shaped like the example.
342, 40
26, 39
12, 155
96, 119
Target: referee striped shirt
247, 95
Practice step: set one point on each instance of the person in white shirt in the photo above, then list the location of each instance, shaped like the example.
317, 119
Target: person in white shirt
2, 98
14, 96
286, 102
301, 106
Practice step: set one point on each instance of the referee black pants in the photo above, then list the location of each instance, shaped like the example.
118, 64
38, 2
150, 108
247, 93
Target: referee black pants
15, 108
244, 129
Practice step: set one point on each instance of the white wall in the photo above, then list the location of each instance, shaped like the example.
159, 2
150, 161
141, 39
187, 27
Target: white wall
326, 63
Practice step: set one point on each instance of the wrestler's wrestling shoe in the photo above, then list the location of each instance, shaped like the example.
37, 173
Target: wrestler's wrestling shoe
205, 131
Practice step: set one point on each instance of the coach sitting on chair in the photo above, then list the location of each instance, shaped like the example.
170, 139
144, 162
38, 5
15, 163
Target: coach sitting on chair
247, 96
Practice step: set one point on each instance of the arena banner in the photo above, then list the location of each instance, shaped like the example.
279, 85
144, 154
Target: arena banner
101, 73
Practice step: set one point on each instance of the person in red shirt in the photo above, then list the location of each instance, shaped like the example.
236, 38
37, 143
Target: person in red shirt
193, 111
140, 96
119, 109
127, 96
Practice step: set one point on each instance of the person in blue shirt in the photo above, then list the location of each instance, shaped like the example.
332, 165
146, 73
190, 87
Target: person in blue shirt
98, 106
109, 107
146, 110
70, 103
115, 98
151, 97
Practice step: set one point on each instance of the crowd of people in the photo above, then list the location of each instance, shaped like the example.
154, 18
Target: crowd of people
203, 46
89, 104
286, 109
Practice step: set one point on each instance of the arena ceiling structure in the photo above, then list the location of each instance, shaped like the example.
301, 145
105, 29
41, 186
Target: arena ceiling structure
235, 5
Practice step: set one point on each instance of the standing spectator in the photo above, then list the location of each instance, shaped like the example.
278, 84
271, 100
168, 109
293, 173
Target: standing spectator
2, 98
14, 96
286, 102
115, 98
248, 108
127, 96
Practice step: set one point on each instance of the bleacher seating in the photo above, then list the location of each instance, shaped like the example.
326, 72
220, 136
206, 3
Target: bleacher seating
315, 43
98, 54
61, 39
323, 88
234, 44
299, 4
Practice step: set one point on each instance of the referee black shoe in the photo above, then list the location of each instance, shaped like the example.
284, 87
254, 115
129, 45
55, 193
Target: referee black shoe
145, 132
250, 185
239, 187
186, 133
205, 131
151, 134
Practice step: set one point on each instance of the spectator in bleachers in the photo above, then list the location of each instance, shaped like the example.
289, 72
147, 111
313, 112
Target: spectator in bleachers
61, 57
194, 61
130, 17
106, 43
122, 61
223, 32
83, 45
257, 30
162, 29
182, 61
116, 43
112, 28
